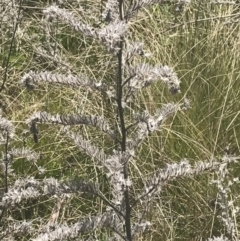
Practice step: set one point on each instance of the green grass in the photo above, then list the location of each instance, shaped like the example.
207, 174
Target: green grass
205, 53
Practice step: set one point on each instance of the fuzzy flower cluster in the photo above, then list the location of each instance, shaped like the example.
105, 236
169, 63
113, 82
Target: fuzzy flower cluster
221, 238
109, 35
147, 124
68, 17
227, 204
111, 164
30, 188
17, 229
7, 129
8, 11
132, 50
184, 168
224, 2
65, 231
78, 81
87, 147
143, 75
30, 155
68, 120
114, 165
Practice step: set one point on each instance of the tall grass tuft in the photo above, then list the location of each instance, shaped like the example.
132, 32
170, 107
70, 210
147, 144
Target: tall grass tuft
107, 189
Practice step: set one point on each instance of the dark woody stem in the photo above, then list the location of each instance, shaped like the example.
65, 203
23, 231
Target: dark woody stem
123, 129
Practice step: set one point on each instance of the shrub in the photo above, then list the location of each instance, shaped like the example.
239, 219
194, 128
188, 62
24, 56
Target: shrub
123, 125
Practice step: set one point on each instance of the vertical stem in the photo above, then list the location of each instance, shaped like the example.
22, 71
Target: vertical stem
123, 129
6, 174
6, 164
123, 142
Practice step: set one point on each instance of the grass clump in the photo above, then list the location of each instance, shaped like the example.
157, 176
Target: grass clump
122, 165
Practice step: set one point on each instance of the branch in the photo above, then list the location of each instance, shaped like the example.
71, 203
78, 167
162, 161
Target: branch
142, 75
30, 188
109, 35
172, 171
79, 81
75, 119
90, 149
65, 231
148, 124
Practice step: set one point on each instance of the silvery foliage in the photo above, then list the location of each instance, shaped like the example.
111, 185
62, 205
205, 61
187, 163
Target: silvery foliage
120, 215
8, 11
10, 16
221, 238
226, 202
